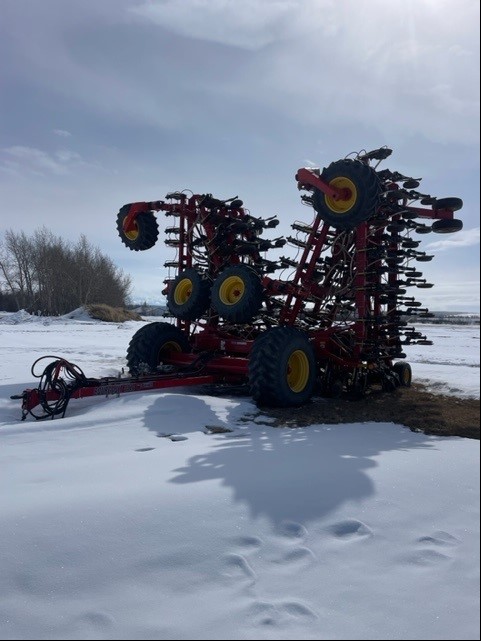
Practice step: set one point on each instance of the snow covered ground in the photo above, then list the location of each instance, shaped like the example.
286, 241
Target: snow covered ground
130, 519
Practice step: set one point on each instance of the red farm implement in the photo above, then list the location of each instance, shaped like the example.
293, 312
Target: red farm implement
330, 317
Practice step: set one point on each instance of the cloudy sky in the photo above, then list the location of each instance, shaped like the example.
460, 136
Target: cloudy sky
105, 102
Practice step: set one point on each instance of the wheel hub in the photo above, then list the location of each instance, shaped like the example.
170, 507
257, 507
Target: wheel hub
297, 371
231, 290
170, 346
347, 195
133, 233
183, 291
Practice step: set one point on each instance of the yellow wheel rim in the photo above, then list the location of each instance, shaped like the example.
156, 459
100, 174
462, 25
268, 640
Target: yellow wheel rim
406, 376
297, 371
232, 290
170, 346
183, 291
132, 234
344, 204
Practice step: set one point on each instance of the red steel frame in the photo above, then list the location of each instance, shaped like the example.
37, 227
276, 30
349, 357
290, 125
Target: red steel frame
229, 353
301, 287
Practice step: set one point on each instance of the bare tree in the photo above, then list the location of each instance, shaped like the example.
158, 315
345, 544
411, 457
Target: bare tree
44, 273
16, 267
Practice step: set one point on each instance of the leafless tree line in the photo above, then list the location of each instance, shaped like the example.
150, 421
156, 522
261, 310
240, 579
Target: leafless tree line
45, 274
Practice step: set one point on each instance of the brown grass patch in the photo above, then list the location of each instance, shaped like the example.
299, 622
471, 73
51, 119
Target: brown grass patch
413, 407
111, 314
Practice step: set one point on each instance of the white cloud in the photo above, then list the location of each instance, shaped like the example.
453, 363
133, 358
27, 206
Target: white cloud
464, 238
457, 295
249, 24
396, 72
400, 68
66, 156
35, 160
310, 163
22, 160
63, 133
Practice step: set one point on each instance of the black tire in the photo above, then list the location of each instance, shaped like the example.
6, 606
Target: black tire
363, 184
145, 232
454, 204
447, 226
423, 229
282, 368
150, 343
189, 295
428, 200
237, 294
408, 215
404, 373
389, 381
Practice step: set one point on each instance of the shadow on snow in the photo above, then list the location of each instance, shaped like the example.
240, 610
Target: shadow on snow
297, 474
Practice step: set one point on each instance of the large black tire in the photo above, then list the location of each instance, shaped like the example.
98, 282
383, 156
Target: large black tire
404, 373
364, 187
448, 226
282, 368
454, 204
145, 232
151, 343
237, 294
188, 297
